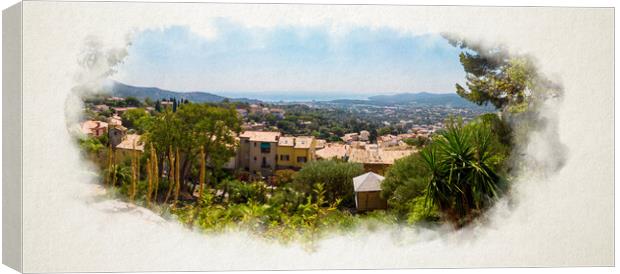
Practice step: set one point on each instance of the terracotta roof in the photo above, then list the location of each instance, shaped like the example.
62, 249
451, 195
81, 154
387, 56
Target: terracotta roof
119, 127
367, 182
332, 150
90, 125
303, 142
378, 155
131, 141
102, 107
286, 141
261, 136
123, 108
350, 137
115, 120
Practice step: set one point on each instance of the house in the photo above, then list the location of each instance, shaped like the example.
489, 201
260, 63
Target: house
120, 110
278, 113
253, 126
332, 151
130, 143
242, 112
367, 189
116, 134
166, 104
294, 152
377, 159
320, 143
388, 140
254, 108
350, 137
94, 128
116, 99
102, 108
364, 136
258, 151
115, 120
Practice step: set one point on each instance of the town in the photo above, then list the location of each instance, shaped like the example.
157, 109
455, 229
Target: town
295, 170
279, 167
261, 149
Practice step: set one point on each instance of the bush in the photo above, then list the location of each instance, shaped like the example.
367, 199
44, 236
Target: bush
284, 177
337, 176
404, 181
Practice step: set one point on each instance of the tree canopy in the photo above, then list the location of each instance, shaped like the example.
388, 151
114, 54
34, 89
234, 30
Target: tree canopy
508, 82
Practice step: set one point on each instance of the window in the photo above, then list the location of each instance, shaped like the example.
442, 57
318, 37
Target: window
264, 163
302, 159
284, 157
265, 147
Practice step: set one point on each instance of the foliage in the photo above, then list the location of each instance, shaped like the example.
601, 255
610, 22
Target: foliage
242, 192
135, 118
336, 175
284, 177
420, 214
121, 174
418, 141
192, 127
465, 164
133, 101
306, 219
404, 181
507, 82
91, 145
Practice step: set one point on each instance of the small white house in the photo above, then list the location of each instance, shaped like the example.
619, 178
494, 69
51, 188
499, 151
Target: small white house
367, 189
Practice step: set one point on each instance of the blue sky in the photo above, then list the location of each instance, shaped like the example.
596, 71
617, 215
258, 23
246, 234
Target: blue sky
291, 61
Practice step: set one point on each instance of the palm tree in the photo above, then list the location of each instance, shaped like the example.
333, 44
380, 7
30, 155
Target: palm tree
464, 178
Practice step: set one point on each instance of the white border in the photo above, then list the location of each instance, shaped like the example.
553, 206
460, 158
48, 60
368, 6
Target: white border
569, 3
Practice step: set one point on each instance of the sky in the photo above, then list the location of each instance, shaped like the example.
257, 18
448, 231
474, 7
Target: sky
291, 62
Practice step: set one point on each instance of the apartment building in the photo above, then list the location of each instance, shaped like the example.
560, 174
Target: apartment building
258, 151
294, 152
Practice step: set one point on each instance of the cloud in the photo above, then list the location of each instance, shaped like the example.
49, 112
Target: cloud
291, 59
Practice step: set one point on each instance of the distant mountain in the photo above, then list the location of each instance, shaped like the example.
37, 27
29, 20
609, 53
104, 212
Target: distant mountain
123, 90
423, 98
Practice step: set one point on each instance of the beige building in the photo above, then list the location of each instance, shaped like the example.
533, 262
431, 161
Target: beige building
130, 143
116, 134
375, 158
258, 151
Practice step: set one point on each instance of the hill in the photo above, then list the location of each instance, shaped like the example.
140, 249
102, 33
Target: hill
123, 90
423, 98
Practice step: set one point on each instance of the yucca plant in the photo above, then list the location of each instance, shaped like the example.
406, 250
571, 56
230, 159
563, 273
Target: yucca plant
463, 180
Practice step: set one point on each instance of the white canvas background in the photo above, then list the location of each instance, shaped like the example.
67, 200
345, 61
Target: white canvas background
566, 220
